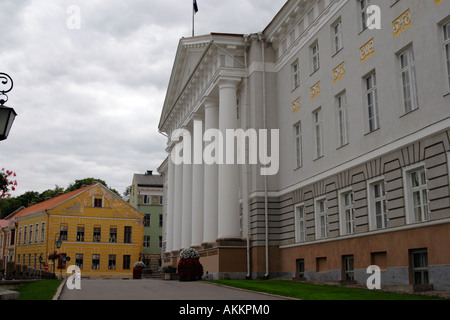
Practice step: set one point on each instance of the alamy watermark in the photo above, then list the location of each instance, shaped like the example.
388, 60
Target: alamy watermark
374, 280
73, 22
74, 281
229, 147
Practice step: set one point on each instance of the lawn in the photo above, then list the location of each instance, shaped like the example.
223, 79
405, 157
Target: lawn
40, 290
308, 291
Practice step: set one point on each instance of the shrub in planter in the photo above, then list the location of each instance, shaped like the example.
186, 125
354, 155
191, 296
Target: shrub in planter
189, 267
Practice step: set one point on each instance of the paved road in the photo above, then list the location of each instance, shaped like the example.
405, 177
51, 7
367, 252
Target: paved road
157, 290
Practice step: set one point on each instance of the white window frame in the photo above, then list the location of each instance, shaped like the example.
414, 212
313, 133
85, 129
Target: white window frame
318, 132
19, 240
410, 190
409, 88
345, 228
338, 36
315, 58
364, 4
446, 45
374, 120
36, 233
298, 145
372, 200
25, 235
342, 113
300, 223
321, 228
43, 232
295, 74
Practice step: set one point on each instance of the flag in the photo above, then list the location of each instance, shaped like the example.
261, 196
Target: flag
195, 6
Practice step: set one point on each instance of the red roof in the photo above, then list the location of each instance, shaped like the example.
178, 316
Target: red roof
51, 203
4, 224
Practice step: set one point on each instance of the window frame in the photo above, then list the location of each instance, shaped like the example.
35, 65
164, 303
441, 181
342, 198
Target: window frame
409, 190
342, 117
298, 145
374, 120
295, 67
300, 223
446, 46
372, 201
315, 56
318, 132
321, 230
337, 35
410, 71
344, 222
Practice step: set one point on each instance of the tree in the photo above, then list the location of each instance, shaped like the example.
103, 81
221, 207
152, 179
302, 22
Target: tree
86, 182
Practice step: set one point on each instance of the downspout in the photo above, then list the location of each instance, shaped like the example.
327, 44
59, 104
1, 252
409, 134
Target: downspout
266, 211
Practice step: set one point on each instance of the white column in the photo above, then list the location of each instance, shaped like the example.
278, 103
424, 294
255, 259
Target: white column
170, 204
186, 220
211, 175
229, 212
197, 184
178, 204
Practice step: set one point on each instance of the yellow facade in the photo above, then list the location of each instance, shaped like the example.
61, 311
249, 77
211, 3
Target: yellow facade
101, 233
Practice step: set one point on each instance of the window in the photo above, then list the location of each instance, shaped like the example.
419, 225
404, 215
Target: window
348, 268
20, 235
36, 233
347, 218
337, 36
419, 264
377, 195
317, 120
97, 234
315, 57
147, 220
146, 241
98, 203
80, 234
364, 16
321, 219
301, 268
147, 199
160, 241
161, 220
112, 235
42, 231
410, 99
300, 224
31, 233
112, 262
447, 49
295, 75
95, 262
127, 235
126, 262
161, 200
372, 102
298, 145
25, 231
419, 195
79, 260
63, 233
343, 119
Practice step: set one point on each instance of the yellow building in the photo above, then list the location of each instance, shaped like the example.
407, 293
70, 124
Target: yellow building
101, 233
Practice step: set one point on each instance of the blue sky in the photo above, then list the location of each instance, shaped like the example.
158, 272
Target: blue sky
89, 99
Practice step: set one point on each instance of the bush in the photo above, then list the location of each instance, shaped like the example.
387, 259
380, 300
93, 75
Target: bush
190, 269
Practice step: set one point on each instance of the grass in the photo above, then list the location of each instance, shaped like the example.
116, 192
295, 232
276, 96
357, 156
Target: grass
40, 290
308, 291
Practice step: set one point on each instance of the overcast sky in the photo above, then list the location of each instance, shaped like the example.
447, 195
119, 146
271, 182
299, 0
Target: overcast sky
89, 99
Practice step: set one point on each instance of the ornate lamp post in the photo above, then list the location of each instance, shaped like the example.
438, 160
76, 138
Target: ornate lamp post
7, 115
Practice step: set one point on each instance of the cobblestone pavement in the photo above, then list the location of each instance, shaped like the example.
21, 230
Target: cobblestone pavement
157, 290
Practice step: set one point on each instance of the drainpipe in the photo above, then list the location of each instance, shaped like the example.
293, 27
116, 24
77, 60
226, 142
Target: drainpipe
266, 212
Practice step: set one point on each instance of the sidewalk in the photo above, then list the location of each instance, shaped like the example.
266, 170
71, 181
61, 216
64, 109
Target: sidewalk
158, 290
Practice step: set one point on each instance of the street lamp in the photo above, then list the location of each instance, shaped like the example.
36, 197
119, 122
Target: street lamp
7, 115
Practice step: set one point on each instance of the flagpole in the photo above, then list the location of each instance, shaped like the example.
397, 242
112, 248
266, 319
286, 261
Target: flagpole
193, 15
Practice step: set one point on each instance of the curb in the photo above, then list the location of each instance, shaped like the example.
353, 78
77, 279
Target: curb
58, 292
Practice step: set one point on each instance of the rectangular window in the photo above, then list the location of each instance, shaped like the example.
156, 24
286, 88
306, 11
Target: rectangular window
300, 224
343, 119
95, 262
31, 233
25, 230
63, 233
97, 234
42, 231
347, 216
372, 102
447, 49
409, 83
338, 36
348, 268
295, 75
315, 57
379, 204
147, 200
36, 233
146, 241
298, 145
321, 219
127, 235
79, 260
419, 195
317, 120
80, 234
126, 262
364, 16
147, 220
160, 220
160, 242
419, 264
112, 262
112, 235
20, 235
301, 268
98, 203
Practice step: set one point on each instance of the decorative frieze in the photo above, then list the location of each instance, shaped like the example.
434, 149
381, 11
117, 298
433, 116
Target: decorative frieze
315, 90
367, 50
296, 105
401, 23
339, 72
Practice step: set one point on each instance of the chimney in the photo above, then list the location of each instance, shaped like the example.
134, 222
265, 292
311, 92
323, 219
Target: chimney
149, 173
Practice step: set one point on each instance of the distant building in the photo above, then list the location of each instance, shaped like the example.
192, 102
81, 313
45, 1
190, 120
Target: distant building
101, 233
364, 152
147, 196
7, 241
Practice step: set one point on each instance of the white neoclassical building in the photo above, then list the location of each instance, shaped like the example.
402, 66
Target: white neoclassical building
359, 106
